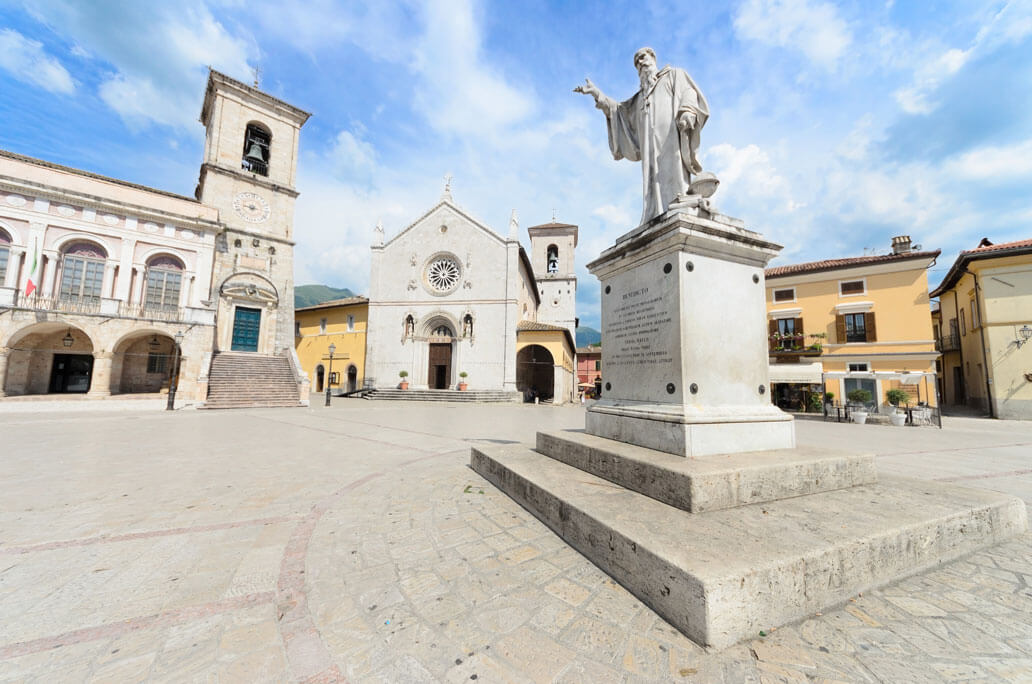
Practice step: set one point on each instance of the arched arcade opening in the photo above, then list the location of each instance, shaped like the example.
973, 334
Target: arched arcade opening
535, 373
48, 358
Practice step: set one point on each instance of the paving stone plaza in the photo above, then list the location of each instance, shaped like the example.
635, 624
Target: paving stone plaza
355, 544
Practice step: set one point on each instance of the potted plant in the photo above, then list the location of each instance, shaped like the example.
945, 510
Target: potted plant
829, 398
462, 382
897, 397
859, 397
404, 383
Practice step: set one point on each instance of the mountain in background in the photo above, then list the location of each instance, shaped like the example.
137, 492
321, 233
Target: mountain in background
310, 295
586, 336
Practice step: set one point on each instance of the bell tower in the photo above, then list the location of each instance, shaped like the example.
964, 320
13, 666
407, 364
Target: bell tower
248, 174
552, 248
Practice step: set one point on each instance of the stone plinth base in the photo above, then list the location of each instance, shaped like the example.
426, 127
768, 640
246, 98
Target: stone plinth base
724, 575
677, 431
710, 483
684, 340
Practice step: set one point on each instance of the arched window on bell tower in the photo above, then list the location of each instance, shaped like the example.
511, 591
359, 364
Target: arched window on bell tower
256, 150
553, 259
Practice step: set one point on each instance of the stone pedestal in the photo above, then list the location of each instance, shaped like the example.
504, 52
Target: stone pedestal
684, 343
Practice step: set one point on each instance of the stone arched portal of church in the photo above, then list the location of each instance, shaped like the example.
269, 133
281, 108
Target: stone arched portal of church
535, 372
438, 374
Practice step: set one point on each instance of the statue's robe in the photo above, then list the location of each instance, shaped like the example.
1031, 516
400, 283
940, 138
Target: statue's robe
644, 128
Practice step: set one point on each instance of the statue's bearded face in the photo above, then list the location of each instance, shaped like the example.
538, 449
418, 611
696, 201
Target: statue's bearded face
646, 64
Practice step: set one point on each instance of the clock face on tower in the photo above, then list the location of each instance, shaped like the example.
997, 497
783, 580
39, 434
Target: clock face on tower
251, 207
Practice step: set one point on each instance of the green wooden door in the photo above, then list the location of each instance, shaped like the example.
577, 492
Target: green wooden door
246, 324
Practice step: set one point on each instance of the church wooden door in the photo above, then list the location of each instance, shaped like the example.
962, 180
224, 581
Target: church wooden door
439, 373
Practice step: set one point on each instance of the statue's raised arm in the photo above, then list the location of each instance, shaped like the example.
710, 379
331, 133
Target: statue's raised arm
659, 125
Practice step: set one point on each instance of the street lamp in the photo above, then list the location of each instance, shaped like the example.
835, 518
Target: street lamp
329, 374
1025, 333
174, 381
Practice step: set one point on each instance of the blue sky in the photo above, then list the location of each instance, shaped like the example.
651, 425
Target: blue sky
834, 126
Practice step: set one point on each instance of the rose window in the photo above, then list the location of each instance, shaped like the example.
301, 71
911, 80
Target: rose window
443, 274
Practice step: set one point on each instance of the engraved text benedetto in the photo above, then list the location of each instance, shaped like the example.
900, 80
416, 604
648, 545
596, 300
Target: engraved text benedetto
635, 332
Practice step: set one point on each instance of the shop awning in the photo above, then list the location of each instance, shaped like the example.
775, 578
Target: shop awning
804, 373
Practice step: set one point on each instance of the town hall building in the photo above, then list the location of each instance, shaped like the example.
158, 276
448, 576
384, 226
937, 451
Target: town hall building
108, 287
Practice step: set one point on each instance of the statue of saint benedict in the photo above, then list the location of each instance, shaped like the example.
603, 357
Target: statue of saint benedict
659, 126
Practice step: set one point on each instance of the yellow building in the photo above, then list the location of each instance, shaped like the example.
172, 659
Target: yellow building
856, 323
985, 304
342, 323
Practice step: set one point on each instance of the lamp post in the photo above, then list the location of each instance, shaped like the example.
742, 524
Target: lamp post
175, 372
329, 373
1024, 335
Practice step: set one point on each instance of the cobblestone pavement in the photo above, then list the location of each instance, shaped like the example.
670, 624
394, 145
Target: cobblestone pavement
355, 544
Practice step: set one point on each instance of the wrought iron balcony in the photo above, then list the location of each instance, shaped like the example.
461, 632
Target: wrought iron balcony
159, 313
793, 346
947, 343
67, 303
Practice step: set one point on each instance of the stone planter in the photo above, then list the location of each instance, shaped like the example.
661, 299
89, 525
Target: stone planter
898, 419
403, 384
859, 417
463, 387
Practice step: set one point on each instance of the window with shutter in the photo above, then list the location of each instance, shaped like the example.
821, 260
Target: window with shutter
772, 329
856, 330
840, 329
869, 325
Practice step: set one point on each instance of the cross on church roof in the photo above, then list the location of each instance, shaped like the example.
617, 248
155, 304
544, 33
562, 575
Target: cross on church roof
447, 187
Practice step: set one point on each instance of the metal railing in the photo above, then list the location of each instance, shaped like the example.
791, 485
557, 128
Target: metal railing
947, 343
160, 313
95, 305
67, 303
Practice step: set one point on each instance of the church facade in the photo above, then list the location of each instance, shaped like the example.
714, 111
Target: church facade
448, 295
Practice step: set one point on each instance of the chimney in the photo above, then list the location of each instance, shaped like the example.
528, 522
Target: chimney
901, 244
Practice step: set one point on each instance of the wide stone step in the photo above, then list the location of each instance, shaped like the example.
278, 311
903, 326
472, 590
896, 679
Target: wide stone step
725, 575
493, 396
255, 404
708, 483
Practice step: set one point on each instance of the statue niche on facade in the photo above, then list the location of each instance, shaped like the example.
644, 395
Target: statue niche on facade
659, 126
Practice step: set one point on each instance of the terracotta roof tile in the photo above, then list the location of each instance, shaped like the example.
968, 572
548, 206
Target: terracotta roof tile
336, 302
534, 325
833, 264
1017, 244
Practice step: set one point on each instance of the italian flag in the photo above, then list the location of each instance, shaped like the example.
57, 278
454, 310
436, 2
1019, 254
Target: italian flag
30, 280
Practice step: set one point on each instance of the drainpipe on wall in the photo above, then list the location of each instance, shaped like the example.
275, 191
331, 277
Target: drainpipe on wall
960, 345
985, 352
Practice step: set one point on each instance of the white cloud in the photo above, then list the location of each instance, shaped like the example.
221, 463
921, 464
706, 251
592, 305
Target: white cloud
748, 172
914, 98
993, 163
27, 61
353, 158
159, 54
856, 144
813, 28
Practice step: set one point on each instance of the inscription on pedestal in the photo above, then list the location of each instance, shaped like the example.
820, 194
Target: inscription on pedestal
640, 322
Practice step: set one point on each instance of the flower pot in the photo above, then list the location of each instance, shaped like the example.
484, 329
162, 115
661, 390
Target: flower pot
403, 384
859, 417
898, 419
462, 386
